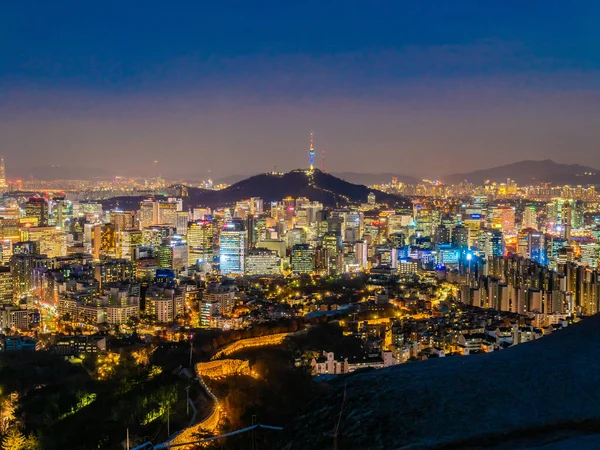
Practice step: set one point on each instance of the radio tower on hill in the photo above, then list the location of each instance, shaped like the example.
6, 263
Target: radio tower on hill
311, 154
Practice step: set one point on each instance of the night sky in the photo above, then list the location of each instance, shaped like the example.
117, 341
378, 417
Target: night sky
420, 87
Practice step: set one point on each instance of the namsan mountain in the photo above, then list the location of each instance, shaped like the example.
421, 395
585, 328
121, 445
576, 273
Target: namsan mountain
315, 185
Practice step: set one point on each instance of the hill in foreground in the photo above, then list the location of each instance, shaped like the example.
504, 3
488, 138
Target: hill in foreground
540, 394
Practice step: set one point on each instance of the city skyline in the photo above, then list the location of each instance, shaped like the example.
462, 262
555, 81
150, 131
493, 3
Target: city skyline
209, 208
58, 172
441, 87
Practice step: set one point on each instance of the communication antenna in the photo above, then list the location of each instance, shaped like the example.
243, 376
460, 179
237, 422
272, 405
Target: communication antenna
311, 153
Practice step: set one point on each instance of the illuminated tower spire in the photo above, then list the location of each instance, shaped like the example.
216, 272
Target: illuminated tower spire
311, 153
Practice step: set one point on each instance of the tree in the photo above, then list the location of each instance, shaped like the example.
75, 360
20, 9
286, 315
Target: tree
7, 412
14, 440
133, 323
32, 443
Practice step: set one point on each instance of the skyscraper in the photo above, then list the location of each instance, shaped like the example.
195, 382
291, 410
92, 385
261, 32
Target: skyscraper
233, 247
567, 217
303, 258
127, 242
6, 286
37, 208
172, 254
493, 243
108, 240
460, 236
503, 218
148, 214
200, 239
57, 212
123, 220
154, 235
530, 218
167, 213
21, 267
53, 242
537, 248
3, 182
530, 244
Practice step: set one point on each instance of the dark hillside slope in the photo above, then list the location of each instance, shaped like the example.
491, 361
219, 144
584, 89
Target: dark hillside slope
318, 186
546, 391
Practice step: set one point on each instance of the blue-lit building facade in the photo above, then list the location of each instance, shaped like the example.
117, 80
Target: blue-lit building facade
232, 252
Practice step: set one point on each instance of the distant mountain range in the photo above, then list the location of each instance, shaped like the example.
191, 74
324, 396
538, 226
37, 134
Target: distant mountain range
531, 172
318, 186
523, 172
528, 396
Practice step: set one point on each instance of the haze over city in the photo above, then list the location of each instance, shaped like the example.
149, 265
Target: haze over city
299, 225
225, 89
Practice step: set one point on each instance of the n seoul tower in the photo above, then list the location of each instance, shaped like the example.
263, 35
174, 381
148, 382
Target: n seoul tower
311, 153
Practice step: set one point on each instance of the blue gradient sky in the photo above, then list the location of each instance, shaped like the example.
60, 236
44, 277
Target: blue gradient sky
235, 87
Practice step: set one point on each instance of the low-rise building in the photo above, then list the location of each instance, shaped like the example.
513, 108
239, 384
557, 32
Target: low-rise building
262, 261
327, 365
77, 345
19, 343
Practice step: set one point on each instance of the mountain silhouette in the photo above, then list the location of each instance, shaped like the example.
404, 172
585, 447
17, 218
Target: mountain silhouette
530, 172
